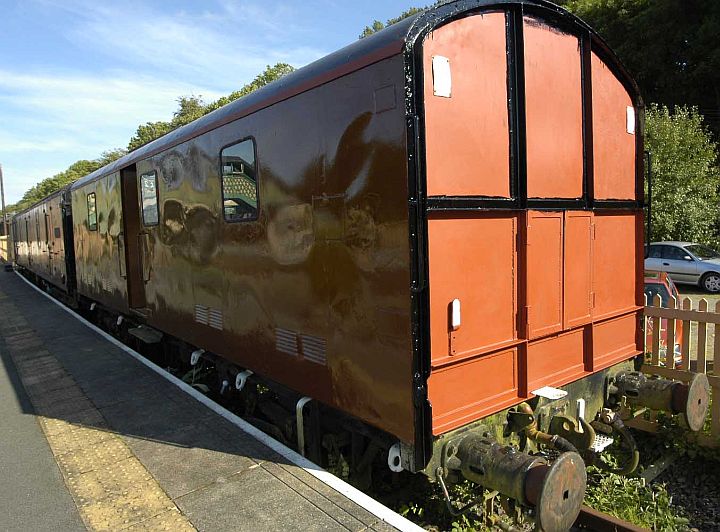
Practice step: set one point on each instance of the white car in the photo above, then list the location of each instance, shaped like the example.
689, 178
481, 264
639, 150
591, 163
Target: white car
686, 263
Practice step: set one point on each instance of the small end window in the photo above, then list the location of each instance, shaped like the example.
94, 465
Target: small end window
149, 198
239, 182
92, 212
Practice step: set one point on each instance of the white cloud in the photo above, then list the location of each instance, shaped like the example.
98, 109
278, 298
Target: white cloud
149, 57
60, 118
225, 46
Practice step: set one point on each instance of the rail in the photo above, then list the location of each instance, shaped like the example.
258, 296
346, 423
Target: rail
590, 519
693, 332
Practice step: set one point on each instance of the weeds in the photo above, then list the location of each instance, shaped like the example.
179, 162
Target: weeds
632, 500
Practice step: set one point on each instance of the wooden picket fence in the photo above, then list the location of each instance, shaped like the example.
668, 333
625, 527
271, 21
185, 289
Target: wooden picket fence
699, 341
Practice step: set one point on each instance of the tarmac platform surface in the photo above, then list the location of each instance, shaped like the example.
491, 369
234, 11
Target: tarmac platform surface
92, 438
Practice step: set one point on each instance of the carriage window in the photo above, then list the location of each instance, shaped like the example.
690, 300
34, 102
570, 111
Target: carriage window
149, 198
239, 182
92, 212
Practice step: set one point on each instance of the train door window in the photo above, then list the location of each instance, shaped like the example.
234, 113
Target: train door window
239, 181
92, 212
149, 198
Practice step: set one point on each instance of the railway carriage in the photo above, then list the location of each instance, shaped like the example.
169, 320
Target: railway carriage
435, 233
39, 240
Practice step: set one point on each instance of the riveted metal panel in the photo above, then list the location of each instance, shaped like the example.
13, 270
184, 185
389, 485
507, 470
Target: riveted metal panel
614, 145
467, 133
553, 104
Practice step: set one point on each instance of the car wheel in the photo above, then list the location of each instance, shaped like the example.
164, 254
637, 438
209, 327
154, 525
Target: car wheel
711, 282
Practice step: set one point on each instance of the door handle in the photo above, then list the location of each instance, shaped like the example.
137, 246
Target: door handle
666, 264
121, 255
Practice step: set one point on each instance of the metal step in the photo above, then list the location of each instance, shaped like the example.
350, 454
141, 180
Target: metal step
146, 334
141, 312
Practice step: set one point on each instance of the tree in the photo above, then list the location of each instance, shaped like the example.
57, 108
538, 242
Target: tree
270, 74
193, 107
377, 25
685, 198
74, 172
671, 47
147, 133
190, 108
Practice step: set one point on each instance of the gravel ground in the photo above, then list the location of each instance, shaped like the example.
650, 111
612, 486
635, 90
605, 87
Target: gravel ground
694, 486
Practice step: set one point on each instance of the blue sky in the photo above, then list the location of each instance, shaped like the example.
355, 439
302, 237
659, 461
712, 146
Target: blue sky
78, 76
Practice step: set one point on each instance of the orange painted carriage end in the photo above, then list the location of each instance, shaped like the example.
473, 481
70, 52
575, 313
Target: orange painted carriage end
614, 130
553, 103
479, 165
521, 298
519, 301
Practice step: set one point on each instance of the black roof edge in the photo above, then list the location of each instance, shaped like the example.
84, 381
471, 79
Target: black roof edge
364, 52
448, 10
58, 192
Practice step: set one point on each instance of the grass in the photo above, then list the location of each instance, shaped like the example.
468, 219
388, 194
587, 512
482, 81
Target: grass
630, 499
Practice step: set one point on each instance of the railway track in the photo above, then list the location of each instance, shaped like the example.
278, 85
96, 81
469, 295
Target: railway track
590, 519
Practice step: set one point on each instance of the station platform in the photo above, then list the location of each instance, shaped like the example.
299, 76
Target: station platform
96, 439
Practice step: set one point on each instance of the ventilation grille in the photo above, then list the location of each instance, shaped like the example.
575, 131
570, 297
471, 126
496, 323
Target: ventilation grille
286, 342
201, 314
209, 316
215, 319
314, 349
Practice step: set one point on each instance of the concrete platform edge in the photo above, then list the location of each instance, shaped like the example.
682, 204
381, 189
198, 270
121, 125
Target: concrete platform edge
361, 499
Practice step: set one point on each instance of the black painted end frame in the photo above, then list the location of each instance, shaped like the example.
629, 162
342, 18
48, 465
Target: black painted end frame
418, 202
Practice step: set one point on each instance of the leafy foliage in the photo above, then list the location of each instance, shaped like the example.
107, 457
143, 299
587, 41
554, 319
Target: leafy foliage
74, 172
270, 74
377, 25
632, 500
671, 47
189, 108
685, 175
193, 107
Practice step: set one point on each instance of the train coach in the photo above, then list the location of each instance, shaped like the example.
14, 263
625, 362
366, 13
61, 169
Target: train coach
435, 234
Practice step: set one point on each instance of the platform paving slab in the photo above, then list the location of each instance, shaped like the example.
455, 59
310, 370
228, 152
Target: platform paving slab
136, 452
33, 495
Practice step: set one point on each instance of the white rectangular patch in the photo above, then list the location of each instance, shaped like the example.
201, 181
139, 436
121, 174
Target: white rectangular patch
456, 320
631, 120
548, 392
442, 77
601, 442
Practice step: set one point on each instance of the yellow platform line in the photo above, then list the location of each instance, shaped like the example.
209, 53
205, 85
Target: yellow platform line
112, 489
